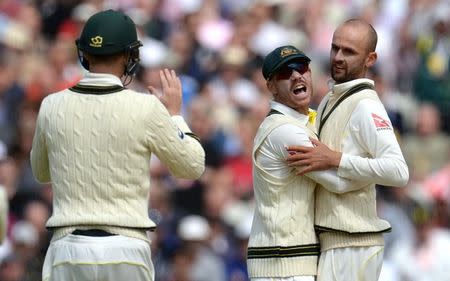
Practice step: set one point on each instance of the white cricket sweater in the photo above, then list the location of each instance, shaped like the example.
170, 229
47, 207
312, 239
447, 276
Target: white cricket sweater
282, 241
360, 128
94, 142
272, 252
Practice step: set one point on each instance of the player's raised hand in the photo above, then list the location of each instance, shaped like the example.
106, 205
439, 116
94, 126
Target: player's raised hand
171, 95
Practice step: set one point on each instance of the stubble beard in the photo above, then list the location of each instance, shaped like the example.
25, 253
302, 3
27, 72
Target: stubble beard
339, 78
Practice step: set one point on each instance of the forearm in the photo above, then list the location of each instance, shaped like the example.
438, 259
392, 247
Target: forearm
384, 171
185, 158
190, 162
333, 183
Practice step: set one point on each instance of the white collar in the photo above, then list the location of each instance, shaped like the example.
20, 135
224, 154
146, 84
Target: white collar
100, 79
338, 89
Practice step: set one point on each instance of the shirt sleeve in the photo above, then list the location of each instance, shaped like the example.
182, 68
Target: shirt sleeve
173, 143
289, 134
38, 155
371, 130
330, 180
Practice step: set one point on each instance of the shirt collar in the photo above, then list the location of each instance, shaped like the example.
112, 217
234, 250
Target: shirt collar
100, 79
289, 111
339, 89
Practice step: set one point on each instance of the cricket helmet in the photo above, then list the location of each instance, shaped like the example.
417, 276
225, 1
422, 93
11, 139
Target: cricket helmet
108, 32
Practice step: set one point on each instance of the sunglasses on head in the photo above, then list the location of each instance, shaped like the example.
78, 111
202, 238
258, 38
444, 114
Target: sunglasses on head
286, 70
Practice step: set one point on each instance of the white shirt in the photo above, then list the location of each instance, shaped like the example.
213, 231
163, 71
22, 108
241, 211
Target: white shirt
370, 152
273, 153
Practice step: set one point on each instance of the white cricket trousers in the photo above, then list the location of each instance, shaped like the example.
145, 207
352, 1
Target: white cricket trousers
294, 278
88, 258
351, 264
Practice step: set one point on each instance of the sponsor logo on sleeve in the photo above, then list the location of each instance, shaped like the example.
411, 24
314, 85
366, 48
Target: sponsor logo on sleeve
381, 123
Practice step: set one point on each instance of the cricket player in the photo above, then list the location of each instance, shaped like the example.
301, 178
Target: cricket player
283, 245
358, 140
93, 142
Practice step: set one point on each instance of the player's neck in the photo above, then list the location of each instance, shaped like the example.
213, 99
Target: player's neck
116, 70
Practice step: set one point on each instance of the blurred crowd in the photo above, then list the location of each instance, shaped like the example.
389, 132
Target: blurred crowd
217, 46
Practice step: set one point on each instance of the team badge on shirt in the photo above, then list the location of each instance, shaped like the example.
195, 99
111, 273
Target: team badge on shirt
381, 123
180, 134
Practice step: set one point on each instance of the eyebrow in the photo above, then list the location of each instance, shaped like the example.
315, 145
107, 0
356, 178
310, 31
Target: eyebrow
347, 49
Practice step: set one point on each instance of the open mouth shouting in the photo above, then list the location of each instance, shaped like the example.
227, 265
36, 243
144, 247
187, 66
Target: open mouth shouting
299, 89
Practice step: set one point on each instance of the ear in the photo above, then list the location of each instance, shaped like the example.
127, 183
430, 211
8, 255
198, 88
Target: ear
271, 86
371, 59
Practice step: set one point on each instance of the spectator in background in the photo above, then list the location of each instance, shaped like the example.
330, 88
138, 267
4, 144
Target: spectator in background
241, 227
426, 256
204, 123
432, 80
437, 187
205, 265
25, 244
231, 88
27, 184
426, 149
12, 268
240, 162
12, 95
37, 212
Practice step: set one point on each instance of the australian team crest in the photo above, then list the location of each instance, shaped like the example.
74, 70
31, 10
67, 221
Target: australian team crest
287, 52
96, 41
